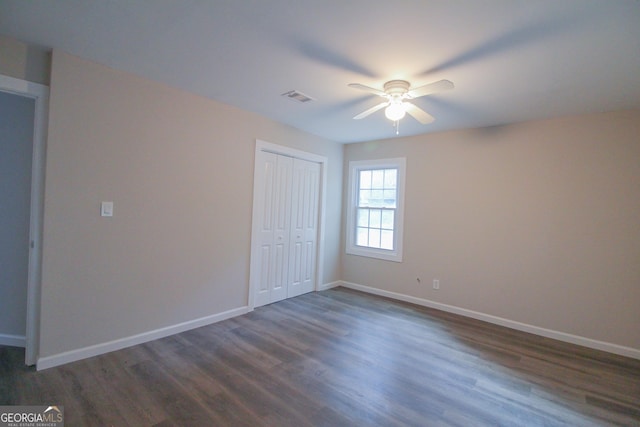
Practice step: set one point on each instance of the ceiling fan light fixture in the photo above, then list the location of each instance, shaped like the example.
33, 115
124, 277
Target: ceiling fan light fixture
395, 111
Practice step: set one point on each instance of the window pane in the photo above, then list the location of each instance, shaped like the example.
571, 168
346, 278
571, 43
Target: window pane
365, 179
389, 198
387, 219
362, 236
363, 217
364, 198
377, 178
377, 198
374, 238
390, 178
386, 239
374, 219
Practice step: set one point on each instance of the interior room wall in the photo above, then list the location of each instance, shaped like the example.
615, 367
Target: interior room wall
179, 169
535, 222
24, 61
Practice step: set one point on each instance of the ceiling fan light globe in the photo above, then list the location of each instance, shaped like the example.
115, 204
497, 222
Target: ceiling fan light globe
395, 111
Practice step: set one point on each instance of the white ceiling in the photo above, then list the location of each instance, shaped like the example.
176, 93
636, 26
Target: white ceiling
510, 60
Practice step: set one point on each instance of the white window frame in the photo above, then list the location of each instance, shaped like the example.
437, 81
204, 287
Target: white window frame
355, 167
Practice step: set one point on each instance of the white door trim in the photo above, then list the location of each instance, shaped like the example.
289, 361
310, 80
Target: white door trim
255, 241
40, 94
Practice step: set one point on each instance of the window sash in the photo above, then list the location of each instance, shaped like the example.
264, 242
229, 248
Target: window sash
376, 190
375, 228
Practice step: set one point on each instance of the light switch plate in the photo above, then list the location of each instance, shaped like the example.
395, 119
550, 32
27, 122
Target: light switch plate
106, 209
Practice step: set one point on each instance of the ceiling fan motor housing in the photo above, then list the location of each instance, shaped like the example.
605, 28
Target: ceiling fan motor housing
396, 88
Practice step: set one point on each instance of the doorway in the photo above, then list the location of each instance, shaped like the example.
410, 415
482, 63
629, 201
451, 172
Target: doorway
24, 119
287, 225
16, 151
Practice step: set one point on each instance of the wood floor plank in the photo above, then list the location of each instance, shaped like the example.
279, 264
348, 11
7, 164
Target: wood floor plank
180, 406
129, 396
338, 358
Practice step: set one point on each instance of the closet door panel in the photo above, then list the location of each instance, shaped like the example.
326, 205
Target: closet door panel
274, 199
312, 200
264, 200
304, 218
282, 221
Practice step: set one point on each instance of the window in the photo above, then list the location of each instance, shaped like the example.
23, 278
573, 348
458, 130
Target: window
375, 206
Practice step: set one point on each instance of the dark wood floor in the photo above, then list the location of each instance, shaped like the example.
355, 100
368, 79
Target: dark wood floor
337, 358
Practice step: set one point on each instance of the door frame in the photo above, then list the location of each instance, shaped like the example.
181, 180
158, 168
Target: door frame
39, 93
255, 217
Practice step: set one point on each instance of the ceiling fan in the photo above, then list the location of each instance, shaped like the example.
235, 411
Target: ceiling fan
396, 93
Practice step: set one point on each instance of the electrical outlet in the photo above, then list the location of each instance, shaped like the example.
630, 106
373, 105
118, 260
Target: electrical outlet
106, 209
436, 284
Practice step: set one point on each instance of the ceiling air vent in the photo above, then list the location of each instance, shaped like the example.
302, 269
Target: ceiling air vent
295, 95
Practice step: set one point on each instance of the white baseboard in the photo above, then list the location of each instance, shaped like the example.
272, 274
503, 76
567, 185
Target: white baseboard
95, 350
326, 286
13, 340
549, 333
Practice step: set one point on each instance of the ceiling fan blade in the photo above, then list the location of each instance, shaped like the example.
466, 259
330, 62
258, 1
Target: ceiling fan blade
430, 88
371, 110
367, 89
418, 113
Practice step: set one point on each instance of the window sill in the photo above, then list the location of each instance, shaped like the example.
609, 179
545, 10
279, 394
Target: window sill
375, 253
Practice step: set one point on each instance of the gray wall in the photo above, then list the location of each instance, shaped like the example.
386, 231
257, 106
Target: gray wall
179, 169
23, 61
535, 222
16, 147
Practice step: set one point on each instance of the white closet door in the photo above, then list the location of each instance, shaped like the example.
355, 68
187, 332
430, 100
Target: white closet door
304, 227
285, 227
274, 201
